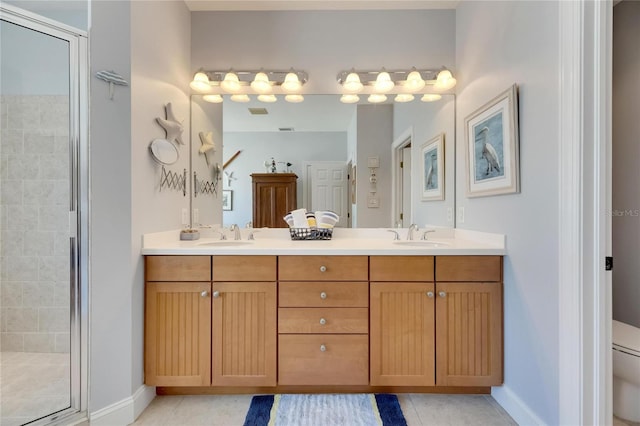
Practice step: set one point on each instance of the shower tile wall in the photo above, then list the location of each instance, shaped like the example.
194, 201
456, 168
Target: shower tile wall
34, 233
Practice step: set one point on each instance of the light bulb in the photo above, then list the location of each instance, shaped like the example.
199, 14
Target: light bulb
294, 98
261, 84
376, 98
349, 99
445, 80
352, 83
404, 97
214, 99
429, 97
291, 83
414, 82
240, 98
383, 82
200, 82
267, 98
231, 83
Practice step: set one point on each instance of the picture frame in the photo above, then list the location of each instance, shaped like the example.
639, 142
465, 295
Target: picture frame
227, 199
492, 147
432, 168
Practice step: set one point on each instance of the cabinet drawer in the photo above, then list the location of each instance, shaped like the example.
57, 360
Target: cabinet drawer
244, 268
178, 268
302, 360
323, 294
469, 268
323, 268
323, 320
401, 268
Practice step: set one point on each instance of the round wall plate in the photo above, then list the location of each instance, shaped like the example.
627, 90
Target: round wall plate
163, 151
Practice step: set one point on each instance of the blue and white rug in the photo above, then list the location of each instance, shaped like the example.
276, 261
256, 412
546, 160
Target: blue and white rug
325, 410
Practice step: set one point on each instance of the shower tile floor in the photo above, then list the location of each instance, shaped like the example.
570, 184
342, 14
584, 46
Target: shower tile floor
32, 385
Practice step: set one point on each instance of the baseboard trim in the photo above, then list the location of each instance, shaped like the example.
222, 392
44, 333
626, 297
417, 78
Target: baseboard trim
125, 411
517, 408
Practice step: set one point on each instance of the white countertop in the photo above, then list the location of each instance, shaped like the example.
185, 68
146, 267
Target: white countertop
361, 241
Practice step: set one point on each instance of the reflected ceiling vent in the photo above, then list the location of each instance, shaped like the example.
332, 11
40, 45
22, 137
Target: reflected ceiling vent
258, 111
285, 129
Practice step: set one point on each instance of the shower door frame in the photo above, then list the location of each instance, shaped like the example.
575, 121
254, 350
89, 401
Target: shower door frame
78, 203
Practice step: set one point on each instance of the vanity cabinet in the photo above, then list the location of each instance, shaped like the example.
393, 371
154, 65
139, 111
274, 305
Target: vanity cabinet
322, 322
178, 321
244, 321
274, 195
402, 308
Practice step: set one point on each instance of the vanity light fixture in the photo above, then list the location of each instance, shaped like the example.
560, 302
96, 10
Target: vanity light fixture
294, 98
399, 82
240, 97
262, 82
267, 98
349, 99
376, 98
214, 99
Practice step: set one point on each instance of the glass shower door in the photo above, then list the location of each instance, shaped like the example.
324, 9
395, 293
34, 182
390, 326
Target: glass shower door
39, 346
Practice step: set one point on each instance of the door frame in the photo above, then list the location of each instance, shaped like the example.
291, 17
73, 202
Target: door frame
79, 203
404, 139
584, 291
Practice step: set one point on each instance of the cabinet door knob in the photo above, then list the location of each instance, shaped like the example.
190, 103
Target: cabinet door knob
323, 348
323, 321
216, 294
430, 294
204, 293
323, 295
323, 268
442, 294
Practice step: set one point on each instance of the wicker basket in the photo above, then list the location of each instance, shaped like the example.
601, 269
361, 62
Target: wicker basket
310, 234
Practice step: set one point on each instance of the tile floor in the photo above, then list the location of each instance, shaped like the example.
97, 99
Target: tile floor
418, 409
32, 385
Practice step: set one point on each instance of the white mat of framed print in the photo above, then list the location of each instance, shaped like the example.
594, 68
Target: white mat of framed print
432, 158
492, 154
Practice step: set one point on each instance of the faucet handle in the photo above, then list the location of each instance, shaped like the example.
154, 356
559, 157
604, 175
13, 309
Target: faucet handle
222, 235
424, 234
251, 237
395, 234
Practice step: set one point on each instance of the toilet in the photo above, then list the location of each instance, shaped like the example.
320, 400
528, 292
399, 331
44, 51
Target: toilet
626, 371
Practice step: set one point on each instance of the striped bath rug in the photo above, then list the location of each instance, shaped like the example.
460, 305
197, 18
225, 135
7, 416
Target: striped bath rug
325, 410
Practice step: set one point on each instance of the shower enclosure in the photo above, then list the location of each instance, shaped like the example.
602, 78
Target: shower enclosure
43, 211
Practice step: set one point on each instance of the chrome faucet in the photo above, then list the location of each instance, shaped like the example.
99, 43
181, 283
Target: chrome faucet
222, 236
424, 234
234, 228
395, 234
412, 227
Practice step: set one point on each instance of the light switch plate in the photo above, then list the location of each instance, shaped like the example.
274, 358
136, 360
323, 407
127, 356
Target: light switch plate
373, 162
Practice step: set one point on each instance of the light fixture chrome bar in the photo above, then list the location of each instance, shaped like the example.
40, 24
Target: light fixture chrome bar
276, 77
369, 77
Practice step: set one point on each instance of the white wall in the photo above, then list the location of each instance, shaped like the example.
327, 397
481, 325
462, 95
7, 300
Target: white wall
497, 44
148, 43
427, 120
626, 174
375, 136
111, 285
257, 147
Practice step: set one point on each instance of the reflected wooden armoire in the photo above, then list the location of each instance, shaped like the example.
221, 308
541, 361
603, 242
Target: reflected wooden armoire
274, 195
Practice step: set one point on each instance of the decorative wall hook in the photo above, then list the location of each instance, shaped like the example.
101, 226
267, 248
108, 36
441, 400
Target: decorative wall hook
206, 139
112, 78
171, 125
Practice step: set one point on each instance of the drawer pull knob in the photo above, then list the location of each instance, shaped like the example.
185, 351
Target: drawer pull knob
216, 294
430, 294
323, 268
442, 294
323, 321
204, 293
323, 295
323, 348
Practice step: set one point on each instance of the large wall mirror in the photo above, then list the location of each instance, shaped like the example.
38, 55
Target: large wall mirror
378, 165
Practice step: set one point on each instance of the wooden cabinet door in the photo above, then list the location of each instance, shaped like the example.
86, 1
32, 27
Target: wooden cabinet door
274, 195
469, 334
244, 334
402, 334
178, 334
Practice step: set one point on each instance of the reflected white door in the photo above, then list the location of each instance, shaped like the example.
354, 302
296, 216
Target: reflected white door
328, 188
406, 187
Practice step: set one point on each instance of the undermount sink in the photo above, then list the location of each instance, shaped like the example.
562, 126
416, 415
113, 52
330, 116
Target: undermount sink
422, 243
225, 243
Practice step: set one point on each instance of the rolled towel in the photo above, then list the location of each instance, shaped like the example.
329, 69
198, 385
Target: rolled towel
300, 218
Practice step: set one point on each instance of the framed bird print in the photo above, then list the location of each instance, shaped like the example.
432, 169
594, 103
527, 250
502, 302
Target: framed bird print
432, 159
492, 147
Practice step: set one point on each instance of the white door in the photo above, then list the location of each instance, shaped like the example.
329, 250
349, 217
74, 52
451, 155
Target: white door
406, 187
328, 187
